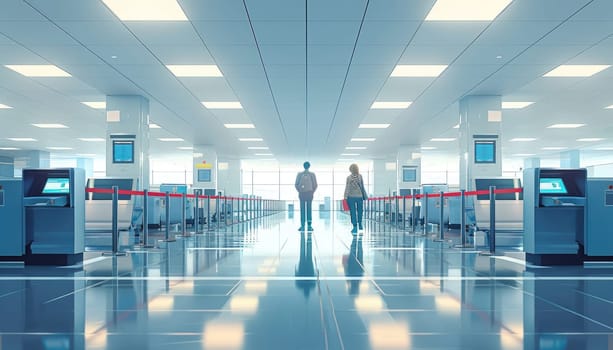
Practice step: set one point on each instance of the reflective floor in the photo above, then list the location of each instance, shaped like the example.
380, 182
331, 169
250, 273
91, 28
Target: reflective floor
264, 285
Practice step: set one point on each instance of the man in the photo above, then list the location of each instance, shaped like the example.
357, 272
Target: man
306, 184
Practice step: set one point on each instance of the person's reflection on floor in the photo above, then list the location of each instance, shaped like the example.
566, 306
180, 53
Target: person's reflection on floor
354, 266
305, 266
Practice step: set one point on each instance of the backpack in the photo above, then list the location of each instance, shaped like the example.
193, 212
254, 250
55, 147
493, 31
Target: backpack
306, 183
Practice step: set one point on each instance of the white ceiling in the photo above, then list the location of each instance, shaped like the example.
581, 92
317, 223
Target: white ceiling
306, 73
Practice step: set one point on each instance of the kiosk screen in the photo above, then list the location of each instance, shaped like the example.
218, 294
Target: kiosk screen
56, 185
554, 185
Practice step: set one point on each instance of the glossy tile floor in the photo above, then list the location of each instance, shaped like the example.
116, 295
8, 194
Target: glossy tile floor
264, 285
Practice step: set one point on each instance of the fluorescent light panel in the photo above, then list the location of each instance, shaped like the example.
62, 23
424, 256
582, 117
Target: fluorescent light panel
565, 126
9, 148
146, 10
257, 147
522, 139
91, 139
363, 139
427, 148
523, 154
21, 139
553, 148
590, 139
466, 10
38, 70
186, 148
95, 105
195, 70
349, 154
59, 148
154, 126
239, 126
264, 154
51, 126
607, 107
222, 104
251, 139
5, 106
576, 70
390, 105
355, 147
515, 104
442, 139
418, 70
170, 139
374, 126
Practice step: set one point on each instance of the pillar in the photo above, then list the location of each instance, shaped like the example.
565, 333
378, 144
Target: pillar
480, 134
7, 167
570, 159
384, 179
229, 176
205, 169
127, 138
88, 165
408, 172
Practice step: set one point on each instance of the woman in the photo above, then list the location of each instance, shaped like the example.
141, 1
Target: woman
355, 194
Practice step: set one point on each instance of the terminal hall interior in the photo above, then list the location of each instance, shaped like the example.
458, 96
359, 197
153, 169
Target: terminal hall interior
152, 154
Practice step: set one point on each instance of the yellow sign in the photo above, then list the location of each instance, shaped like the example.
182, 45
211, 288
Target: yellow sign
204, 166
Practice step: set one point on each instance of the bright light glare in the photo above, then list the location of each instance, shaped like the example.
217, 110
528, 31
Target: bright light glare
95, 105
576, 70
390, 105
38, 70
222, 104
515, 105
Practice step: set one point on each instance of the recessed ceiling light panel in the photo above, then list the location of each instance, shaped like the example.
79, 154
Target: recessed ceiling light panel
95, 105
21, 139
91, 139
418, 70
51, 126
565, 126
576, 70
239, 126
515, 104
590, 139
251, 139
5, 106
222, 104
466, 10
146, 10
193, 70
522, 139
442, 139
170, 139
390, 105
38, 70
374, 126
363, 139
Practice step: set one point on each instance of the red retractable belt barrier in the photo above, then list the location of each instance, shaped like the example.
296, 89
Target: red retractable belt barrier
451, 194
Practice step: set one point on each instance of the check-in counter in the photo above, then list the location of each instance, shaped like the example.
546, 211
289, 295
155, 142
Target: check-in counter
12, 238
54, 211
554, 215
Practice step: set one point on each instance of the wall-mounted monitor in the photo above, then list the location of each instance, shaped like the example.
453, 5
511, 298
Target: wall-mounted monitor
123, 151
485, 152
204, 175
554, 185
409, 174
56, 185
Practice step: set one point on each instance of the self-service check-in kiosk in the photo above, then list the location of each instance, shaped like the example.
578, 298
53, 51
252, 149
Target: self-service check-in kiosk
12, 238
598, 240
54, 210
554, 215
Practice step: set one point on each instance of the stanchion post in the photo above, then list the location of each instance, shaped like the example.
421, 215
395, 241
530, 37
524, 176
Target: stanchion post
197, 194
462, 219
397, 211
146, 219
167, 223
413, 210
492, 219
404, 213
208, 212
115, 239
441, 234
217, 213
183, 214
425, 207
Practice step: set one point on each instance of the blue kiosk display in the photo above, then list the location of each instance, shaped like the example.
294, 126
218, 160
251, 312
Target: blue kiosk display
554, 215
54, 213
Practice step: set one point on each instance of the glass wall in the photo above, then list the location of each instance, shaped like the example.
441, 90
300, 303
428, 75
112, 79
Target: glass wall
276, 181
